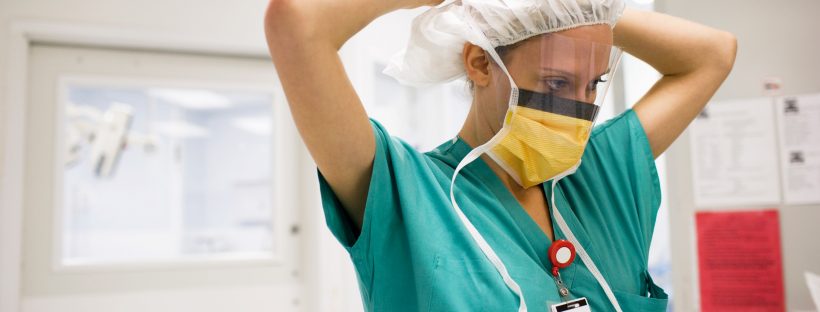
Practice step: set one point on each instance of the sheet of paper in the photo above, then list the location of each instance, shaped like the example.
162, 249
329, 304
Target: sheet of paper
799, 129
734, 156
740, 261
814, 288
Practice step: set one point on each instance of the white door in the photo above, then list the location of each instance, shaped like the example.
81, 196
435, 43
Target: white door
155, 182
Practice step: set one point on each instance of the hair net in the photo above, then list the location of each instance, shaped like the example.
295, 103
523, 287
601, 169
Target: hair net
433, 54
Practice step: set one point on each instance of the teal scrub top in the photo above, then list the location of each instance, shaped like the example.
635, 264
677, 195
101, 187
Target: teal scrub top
413, 253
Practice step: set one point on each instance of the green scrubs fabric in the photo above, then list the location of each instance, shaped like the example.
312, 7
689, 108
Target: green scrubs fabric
413, 253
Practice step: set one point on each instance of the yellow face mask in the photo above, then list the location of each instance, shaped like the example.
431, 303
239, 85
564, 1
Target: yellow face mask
544, 137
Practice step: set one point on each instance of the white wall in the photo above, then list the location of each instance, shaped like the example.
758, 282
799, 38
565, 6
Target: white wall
775, 38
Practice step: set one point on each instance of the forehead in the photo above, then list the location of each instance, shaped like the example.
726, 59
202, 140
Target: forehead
595, 38
599, 34
583, 48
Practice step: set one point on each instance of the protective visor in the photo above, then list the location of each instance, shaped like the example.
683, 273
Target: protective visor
558, 83
559, 73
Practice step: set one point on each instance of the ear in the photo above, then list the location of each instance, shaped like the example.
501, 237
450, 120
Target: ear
476, 64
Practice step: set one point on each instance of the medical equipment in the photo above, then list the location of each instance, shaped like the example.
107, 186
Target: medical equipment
106, 133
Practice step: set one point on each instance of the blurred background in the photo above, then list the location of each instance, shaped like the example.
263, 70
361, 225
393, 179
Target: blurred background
150, 163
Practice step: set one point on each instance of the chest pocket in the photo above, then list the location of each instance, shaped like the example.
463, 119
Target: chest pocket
655, 300
648, 298
470, 285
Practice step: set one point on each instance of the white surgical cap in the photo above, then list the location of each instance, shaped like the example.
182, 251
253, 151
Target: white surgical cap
433, 54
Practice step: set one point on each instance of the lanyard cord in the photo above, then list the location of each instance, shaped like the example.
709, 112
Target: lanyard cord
473, 155
482, 243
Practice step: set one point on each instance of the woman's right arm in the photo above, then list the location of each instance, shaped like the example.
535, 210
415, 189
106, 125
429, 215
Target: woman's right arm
304, 37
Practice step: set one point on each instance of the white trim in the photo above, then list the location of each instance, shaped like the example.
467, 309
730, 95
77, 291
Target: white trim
23, 35
203, 262
11, 191
101, 35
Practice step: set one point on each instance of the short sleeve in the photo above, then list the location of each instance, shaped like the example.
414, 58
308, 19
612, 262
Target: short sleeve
620, 153
382, 204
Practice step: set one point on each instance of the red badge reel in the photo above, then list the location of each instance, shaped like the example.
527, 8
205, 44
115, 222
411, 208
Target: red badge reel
561, 254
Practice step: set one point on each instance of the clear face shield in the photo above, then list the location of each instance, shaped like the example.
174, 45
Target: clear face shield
557, 86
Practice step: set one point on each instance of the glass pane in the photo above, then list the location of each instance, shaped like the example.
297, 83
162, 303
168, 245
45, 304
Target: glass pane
166, 174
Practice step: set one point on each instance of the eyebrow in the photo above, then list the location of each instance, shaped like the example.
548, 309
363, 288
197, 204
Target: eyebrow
571, 74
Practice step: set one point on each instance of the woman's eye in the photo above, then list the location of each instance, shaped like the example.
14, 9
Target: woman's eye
556, 84
594, 84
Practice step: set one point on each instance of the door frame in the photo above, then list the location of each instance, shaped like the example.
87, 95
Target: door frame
23, 35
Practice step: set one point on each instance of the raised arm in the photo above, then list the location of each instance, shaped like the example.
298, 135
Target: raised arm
303, 38
694, 60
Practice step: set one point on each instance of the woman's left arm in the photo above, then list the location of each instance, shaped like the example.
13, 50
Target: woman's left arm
694, 60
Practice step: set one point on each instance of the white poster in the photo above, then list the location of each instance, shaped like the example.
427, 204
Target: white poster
799, 129
734, 155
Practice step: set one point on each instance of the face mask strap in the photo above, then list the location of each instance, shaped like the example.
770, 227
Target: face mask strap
472, 156
484, 43
513, 87
475, 234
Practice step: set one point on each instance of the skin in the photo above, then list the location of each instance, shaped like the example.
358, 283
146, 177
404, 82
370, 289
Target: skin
304, 37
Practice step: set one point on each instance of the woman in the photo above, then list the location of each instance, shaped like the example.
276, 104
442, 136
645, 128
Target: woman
421, 239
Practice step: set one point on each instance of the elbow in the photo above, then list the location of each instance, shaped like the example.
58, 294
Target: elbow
277, 12
725, 51
281, 17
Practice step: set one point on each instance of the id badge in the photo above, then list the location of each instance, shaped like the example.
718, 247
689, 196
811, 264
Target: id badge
577, 305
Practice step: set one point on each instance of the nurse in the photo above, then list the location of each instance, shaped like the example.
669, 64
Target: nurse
529, 207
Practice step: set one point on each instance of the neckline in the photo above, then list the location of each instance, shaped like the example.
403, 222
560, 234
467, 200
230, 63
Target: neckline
538, 241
